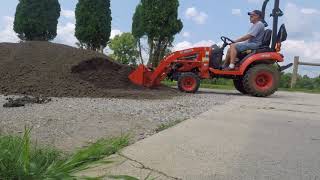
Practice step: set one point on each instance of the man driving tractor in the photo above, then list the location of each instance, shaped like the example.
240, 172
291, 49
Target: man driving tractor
250, 41
258, 73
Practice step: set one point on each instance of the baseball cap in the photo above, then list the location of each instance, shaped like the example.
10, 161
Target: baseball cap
257, 12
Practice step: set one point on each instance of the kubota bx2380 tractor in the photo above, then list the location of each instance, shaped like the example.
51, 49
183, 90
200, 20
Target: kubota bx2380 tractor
257, 72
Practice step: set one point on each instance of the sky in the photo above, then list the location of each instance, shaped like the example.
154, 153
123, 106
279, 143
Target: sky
204, 22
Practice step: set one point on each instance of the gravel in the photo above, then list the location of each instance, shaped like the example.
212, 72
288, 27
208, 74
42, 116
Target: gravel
69, 123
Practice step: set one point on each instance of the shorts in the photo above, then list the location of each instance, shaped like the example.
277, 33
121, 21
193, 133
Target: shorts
246, 46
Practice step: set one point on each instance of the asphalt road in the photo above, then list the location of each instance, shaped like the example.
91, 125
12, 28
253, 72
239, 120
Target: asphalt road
276, 138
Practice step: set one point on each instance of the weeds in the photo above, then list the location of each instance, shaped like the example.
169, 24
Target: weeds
20, 160
165, 126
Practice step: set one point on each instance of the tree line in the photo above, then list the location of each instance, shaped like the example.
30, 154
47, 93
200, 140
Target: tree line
155, 21
303, 82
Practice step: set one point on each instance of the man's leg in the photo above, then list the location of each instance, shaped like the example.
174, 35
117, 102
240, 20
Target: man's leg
233, 56
227, 60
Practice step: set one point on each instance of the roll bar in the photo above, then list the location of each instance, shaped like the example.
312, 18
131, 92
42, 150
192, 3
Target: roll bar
276, 13
264, 6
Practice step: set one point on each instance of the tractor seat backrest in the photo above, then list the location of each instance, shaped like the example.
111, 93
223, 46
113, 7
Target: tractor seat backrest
264, 47
267, 35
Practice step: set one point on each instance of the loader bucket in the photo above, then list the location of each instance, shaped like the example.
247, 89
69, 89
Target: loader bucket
141, 76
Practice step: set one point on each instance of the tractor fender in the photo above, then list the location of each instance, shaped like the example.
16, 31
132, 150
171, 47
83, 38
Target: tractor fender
267, 58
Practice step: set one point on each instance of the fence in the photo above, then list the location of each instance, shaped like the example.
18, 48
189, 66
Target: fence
296, 64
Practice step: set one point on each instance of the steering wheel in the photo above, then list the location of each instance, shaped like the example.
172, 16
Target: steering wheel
227, 41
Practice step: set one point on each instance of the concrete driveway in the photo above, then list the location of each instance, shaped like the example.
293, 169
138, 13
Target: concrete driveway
276, 138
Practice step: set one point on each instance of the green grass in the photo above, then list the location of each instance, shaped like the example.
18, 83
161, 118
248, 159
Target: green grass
20, 160
214, 86
231, 87
203, 85
314, 91
165, 126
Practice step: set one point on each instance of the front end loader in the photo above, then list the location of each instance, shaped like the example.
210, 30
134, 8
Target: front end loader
257, 71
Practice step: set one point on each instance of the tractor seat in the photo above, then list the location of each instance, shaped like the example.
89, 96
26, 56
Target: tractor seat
264, 47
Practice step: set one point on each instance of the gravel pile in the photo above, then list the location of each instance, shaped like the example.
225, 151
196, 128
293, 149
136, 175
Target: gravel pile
68, 123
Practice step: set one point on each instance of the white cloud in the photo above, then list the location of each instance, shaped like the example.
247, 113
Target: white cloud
300, 21
309, 11
304, 38
316, 36
68, 14
186, 34
182, 45
191, 12
66, 28
308, 51
186, 44
198, 17
66, 34
114, 33
6, 33
204, 43
236, 12
255, 1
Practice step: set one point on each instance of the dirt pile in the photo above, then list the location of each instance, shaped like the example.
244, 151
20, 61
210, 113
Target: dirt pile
104, 73
55, 70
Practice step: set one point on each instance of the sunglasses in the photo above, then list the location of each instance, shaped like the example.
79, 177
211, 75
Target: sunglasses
253, 15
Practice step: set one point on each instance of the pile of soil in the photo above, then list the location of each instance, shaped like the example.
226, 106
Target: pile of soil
55, 70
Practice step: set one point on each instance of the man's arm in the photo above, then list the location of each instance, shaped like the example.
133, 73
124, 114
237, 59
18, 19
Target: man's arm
253, 32
244, 38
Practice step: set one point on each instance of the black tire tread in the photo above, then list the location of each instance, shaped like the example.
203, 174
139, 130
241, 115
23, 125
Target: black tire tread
188, 74
251, 72
238, 84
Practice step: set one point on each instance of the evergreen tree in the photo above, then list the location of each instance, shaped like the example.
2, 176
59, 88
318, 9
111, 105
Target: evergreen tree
158, 20
137, 29
37, 19
93, 23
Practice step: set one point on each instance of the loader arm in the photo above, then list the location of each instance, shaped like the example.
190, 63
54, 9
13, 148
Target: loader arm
190, 58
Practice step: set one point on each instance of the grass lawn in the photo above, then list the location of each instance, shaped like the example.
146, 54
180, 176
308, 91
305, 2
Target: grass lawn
314, 91
231, 87
203, 85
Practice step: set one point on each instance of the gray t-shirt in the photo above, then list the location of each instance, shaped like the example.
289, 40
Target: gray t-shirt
257, 31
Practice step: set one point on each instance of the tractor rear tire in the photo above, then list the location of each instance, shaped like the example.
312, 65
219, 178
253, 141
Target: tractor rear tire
238, 84
189, 82
261, 80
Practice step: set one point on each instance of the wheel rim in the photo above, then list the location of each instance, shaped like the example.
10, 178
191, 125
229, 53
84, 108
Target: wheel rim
264, 81
189, 83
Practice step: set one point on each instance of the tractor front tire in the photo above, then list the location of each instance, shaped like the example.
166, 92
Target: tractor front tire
238, 84
261, 80
189, 82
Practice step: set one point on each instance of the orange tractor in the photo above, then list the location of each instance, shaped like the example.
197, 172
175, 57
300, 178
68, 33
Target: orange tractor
257, 72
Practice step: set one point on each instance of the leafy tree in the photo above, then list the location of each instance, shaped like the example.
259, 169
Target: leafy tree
158, 20
124, 48
317, 82
37, 19
285, 81
137, 29
303, 82
93, 23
